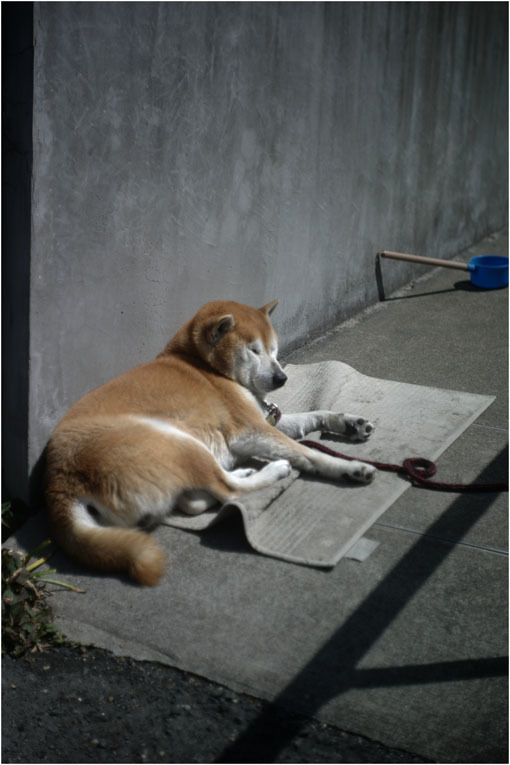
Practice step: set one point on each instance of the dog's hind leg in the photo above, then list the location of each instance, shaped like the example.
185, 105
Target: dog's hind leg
238, 482
195, 501
243, 481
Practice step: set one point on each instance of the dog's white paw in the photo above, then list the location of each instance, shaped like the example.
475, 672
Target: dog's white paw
243, 472
360, 471
278, 469
354, 427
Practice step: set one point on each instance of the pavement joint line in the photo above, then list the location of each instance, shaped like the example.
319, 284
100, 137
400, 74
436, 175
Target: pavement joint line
445, 540
491, 427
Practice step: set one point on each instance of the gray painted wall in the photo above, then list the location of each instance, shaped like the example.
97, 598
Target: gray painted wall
188, 152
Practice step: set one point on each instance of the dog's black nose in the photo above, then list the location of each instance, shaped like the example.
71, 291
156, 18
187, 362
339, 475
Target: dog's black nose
279, 379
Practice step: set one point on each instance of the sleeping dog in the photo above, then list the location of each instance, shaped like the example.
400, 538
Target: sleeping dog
172, 432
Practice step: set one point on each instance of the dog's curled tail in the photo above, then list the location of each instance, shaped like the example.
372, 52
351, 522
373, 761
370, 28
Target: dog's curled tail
104, 548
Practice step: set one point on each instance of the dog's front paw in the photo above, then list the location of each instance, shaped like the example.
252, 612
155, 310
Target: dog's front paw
360, 471
278, 469
354, 427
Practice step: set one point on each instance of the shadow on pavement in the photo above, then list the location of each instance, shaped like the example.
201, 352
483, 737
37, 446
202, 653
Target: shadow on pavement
313, 686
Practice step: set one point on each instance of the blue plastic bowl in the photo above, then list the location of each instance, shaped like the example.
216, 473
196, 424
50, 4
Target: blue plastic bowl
489, 271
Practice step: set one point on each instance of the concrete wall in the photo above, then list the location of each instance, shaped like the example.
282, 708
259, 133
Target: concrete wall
187, 152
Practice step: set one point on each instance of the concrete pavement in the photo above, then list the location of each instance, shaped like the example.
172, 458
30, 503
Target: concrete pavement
408, 647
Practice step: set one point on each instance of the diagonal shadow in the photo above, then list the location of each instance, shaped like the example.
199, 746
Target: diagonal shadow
437, 672
332, 671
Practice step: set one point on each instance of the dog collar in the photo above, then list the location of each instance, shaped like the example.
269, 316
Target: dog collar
273, 414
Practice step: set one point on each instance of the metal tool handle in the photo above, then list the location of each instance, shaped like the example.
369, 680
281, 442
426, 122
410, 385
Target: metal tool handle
425, 261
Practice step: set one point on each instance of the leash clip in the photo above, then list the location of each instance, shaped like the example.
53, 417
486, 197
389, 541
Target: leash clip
274, 414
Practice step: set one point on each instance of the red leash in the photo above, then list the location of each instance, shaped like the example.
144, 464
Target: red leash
418, 470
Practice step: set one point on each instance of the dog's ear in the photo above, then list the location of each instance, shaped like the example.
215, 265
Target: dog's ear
269, 308
220, 327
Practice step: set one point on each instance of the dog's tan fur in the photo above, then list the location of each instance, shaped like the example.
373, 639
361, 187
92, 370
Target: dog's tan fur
170, 432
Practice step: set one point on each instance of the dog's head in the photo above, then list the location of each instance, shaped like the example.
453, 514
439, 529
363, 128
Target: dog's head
239, 342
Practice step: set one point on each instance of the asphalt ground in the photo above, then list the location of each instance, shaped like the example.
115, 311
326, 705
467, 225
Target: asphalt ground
74, 704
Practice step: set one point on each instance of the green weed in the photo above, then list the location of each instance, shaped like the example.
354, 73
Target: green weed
27, 619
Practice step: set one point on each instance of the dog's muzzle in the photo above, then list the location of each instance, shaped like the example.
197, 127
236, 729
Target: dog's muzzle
279, 379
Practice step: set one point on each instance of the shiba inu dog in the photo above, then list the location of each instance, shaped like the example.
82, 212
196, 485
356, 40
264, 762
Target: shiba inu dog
172, 432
